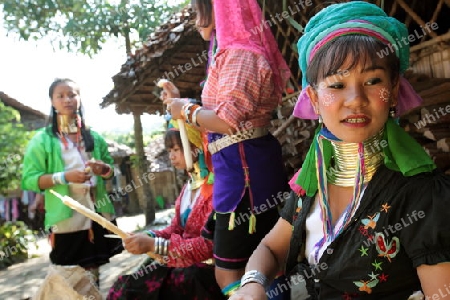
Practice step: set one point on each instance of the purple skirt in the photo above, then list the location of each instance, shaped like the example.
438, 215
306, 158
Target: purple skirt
268, 179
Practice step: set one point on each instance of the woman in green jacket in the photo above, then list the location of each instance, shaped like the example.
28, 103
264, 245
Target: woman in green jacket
72, 160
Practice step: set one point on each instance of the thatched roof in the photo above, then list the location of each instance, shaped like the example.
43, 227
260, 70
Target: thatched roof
174, 51
117, 150
30, 117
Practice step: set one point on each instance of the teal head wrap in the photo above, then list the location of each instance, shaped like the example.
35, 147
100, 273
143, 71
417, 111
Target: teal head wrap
356, 17
403, 154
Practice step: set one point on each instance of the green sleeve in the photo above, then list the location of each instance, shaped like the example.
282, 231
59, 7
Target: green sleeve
34, 163
105, 156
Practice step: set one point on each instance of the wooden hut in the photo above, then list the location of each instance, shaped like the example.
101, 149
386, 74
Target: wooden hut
124, 200
174, 51
165, 183
31, 118
12, 206
429, 73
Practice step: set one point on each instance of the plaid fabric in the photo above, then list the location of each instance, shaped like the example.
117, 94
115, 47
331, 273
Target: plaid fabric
240, 89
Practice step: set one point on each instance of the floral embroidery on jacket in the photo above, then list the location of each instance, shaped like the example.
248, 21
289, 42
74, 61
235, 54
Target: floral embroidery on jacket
386, 249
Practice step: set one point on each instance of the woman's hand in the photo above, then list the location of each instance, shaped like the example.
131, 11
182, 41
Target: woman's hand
139, 243
98, 167
77, 176
174, 106
169, 91
250, 291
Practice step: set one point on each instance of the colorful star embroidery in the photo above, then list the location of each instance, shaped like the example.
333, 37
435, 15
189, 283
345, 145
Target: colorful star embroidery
385, 207
383, 277
363, 251
373, 276
377, 265
348, 296
363, 230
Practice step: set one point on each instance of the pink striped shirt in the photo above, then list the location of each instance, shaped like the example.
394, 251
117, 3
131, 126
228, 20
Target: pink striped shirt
240, 89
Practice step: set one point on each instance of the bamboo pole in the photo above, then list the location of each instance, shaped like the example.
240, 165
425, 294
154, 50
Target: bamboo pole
284, 126
186, 145
290, 96
95, 217
393, 9
435, 15
436, 40
437, 11
409, 18
414, 16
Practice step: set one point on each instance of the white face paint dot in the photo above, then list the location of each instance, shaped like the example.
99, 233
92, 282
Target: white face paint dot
327, 99
385, 95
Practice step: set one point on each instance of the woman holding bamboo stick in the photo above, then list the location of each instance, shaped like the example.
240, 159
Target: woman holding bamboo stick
74, 161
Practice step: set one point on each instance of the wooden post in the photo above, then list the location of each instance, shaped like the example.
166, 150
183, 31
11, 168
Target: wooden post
439, 39
142, 167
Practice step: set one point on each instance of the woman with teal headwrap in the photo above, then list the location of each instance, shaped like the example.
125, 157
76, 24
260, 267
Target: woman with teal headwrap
368, 215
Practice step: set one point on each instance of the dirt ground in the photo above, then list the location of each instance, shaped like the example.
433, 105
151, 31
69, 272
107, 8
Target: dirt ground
21, 281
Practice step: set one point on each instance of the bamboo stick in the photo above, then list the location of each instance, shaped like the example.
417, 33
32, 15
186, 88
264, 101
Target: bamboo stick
394, 9
414, 15
186, 146
435, 15
409, 18
95, 217
437, 11
438, 39
284, 126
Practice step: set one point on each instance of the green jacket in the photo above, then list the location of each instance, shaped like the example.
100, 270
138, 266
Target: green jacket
43, 156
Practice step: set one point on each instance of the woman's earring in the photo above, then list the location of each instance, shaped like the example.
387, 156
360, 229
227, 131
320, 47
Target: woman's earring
320, 119
392, 111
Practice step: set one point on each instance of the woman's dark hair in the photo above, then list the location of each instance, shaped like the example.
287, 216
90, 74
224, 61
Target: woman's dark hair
359, 48
172, 139
85, 132
204, 9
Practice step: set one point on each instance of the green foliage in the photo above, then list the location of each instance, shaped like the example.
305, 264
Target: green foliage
128, 137
84, 25
13, 140
15, 240
121, 138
